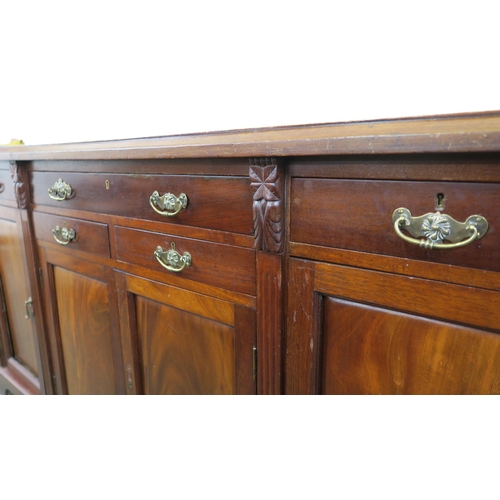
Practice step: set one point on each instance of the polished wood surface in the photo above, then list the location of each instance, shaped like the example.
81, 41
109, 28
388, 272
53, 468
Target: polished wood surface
357, 215
298, 282
224, 266
479, 132
16, 289
369, 350
90, 237
214, 202
84, 325
182, 353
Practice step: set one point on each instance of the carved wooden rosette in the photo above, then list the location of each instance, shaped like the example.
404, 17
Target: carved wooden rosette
267, 183
19, 178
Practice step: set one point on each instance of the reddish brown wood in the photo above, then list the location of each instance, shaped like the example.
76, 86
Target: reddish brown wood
245, 340
268, 204
213, 202
463, 167
182, 353
301, 339
357, 215
91, 237
20, 180
219, 265
270, 281
430, 270
368, 350
85, 328
441, 134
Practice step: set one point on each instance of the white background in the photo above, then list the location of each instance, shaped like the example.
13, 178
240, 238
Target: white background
80, 71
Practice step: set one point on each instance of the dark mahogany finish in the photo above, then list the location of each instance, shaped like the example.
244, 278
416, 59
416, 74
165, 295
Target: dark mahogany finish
298, 283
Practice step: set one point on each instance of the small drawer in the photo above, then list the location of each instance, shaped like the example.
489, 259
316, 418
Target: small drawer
357, 215
91, 237
212, 202
227, 267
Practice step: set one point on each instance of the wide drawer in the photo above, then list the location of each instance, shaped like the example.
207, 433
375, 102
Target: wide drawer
213, 202
357, 215
91, 237
231, 268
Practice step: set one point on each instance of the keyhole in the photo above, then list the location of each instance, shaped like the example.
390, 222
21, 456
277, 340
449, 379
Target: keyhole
439, 201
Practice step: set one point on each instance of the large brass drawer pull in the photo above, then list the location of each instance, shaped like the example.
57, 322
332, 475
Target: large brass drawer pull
438, 227
173, 260
63, 236
60, 191
168, 204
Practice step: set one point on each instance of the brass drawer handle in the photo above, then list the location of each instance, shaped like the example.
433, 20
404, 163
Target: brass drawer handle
60, 191
438, 227
63, 236
168, 204
172, 260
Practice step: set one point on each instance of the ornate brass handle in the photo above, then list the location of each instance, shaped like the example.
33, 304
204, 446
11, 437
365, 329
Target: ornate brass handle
172, 260
60, 191
63, 236
438, 227
168, 204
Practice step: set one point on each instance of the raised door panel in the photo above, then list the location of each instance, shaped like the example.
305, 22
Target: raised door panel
180, 342
183, 353
83, 324
371, 350
85, 331
18, 336
356, 331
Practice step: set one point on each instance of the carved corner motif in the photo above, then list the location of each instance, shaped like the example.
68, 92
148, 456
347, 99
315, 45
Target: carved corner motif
20, 185
266, 178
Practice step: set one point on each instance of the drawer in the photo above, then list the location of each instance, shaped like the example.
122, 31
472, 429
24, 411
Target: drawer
227, 267
91, 237
6, 187
357, 215
213, 202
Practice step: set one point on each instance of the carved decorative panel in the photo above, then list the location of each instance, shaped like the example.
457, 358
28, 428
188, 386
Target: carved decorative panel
20, 184
267, 183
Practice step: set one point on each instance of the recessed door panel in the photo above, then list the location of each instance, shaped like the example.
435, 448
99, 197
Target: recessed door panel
85, 331
371, 350
183, 353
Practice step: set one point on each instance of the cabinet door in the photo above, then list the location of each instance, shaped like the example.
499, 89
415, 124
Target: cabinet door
357, 331
19, 355
83, 325
181, 342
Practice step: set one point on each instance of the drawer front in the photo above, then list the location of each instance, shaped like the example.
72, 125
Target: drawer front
213, 202
357, 215
219, 265
91, 237
6, 187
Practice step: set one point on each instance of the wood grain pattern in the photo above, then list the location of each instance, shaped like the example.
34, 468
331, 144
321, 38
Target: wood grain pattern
477, 132
357, 215
270, 321
91, 237
182, 353
455, 303
213, 202
84, 323
16, 288
227, 267
368, 350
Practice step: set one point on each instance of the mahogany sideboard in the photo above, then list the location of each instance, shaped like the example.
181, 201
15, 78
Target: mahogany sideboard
351, 258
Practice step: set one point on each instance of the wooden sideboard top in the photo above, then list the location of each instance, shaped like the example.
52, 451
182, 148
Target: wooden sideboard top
478, 132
